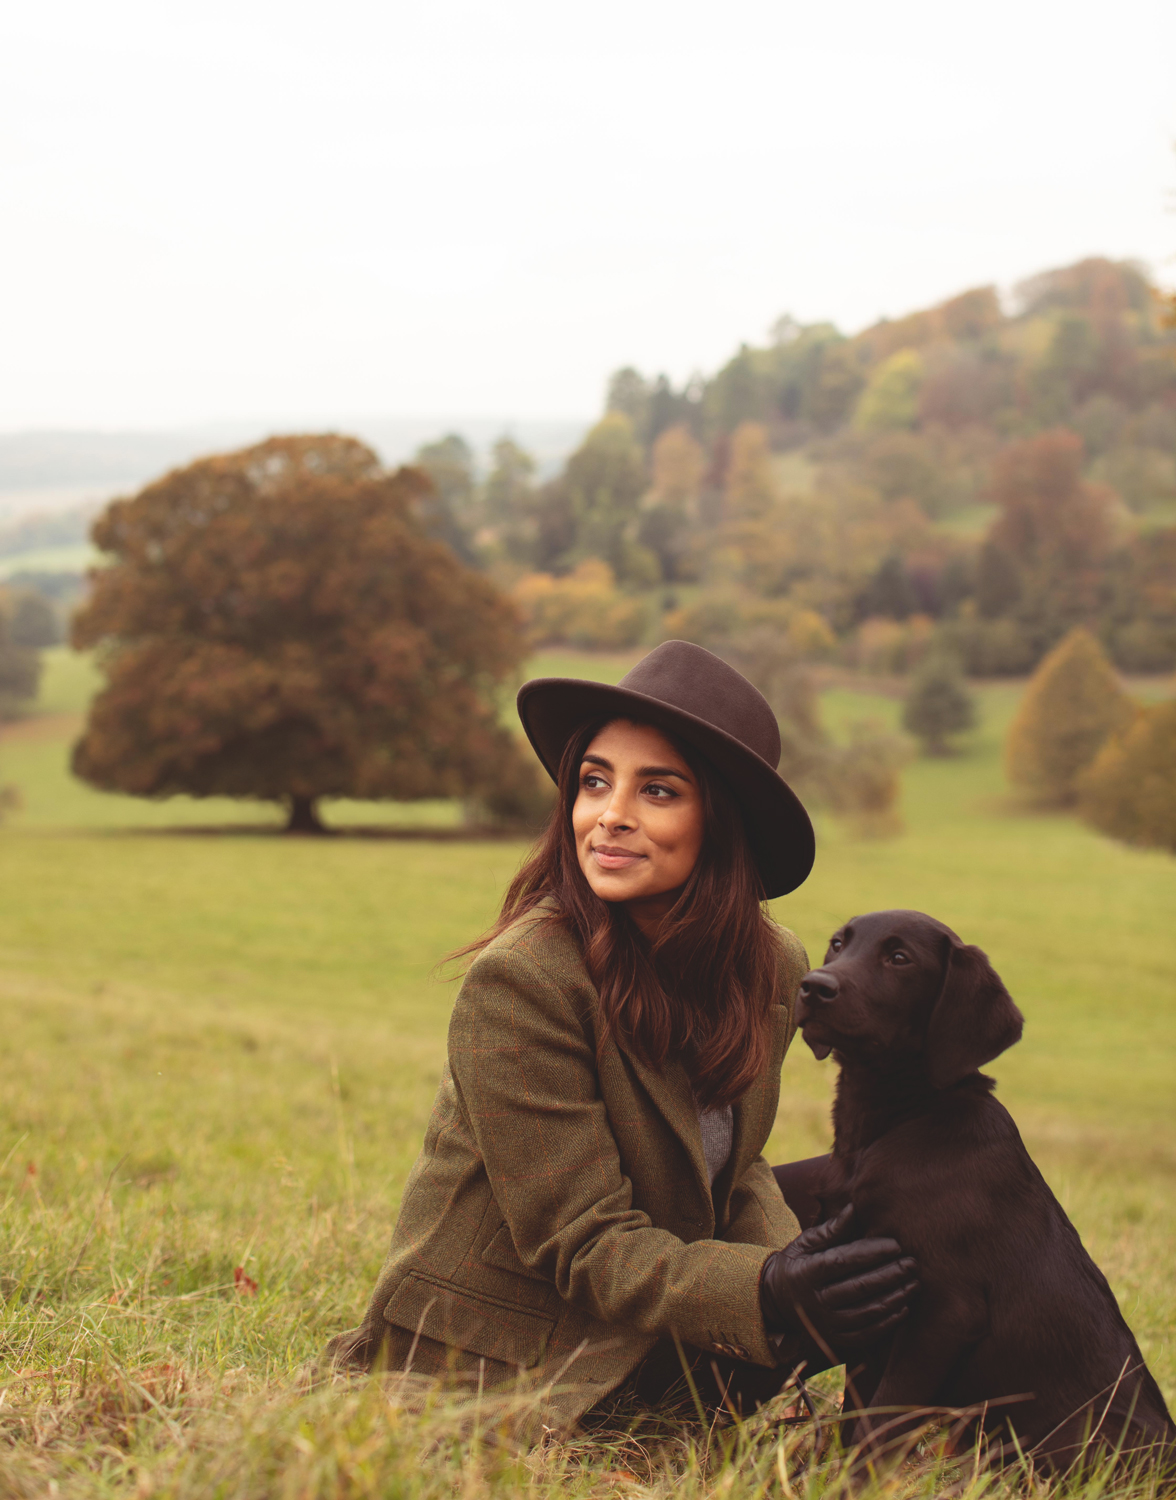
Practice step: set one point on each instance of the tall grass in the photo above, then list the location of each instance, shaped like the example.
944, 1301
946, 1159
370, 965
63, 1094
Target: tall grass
219, 1054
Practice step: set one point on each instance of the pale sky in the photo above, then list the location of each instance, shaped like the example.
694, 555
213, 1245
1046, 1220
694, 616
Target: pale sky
267, 209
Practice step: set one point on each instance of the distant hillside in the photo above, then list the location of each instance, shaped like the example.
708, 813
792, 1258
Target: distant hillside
47, 531
971, 476
67, 460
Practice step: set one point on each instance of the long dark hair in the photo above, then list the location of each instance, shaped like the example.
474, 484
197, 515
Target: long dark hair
704, 989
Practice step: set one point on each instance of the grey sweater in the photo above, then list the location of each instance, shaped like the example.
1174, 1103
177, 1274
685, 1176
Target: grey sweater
717, 1126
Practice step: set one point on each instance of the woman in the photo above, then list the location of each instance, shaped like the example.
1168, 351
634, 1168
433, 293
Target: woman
591, 1196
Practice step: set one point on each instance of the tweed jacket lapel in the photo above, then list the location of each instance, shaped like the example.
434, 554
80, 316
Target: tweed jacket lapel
753, 1117
673, 1097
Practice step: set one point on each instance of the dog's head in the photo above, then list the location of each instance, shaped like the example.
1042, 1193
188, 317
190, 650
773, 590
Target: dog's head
898, 984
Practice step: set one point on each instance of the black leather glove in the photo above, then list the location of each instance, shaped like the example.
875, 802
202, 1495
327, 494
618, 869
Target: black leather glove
846, 1292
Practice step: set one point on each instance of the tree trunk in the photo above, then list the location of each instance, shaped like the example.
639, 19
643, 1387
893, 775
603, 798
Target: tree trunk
304, 817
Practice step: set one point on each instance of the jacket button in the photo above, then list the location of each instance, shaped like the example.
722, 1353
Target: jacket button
732, 1351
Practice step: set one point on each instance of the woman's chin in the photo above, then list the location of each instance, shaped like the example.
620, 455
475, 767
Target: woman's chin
616, 887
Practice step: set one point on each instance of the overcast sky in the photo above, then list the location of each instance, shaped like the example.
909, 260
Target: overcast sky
271, 209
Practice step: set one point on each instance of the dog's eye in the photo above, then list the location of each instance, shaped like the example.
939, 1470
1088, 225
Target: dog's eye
899, 957
835, 944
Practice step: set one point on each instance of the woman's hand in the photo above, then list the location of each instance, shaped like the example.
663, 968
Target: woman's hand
845, 1291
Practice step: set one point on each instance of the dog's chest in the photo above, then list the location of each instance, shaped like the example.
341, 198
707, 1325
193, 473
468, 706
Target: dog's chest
894, 1190
837, 1190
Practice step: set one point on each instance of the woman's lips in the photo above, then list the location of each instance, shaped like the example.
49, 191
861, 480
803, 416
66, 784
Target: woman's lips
610, 858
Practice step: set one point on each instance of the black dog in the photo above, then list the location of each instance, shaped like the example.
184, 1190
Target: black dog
1014, 1318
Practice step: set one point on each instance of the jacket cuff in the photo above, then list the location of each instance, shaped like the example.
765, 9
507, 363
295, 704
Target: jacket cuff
738, 1330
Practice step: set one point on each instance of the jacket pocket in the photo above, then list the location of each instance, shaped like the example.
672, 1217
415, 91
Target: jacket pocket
475, 1322
499, 1252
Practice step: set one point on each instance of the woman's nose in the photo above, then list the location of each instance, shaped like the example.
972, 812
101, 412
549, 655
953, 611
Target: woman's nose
618, 814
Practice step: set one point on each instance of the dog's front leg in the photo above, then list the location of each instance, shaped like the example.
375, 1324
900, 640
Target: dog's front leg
910, 1392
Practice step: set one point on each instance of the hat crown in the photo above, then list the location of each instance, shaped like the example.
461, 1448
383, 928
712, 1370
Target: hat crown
695, 681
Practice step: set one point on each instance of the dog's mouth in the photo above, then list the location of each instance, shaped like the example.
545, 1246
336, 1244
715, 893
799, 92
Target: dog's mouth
819, 1049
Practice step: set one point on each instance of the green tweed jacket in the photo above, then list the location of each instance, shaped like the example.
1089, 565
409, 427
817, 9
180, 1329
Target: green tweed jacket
559, 1219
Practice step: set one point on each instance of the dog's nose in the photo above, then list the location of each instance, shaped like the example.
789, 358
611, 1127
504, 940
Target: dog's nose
819, 984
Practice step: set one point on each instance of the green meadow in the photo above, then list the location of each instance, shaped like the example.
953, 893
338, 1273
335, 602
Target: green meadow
220, 1047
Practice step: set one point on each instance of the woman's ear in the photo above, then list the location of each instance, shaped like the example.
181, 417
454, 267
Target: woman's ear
974, 1019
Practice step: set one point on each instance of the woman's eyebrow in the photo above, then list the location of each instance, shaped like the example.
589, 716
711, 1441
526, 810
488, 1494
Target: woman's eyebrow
607, 765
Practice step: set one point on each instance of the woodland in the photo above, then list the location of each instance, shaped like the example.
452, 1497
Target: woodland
981, 475
949, 495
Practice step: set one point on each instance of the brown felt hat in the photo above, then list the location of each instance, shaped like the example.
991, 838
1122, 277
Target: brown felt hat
686, 691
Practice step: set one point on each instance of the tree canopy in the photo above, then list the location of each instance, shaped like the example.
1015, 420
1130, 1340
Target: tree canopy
1072, 706
279, 623
1130, 789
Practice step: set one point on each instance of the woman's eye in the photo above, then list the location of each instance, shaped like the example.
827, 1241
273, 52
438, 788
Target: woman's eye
660, 792
590, 783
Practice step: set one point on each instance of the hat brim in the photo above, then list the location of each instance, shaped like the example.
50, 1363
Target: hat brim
553, 709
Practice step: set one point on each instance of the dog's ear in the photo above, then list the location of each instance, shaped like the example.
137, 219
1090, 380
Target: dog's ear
974, 1019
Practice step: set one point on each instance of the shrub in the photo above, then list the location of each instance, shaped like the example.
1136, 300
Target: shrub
20, 669
584, 608
1144, 646
725, 623
881, 646
992, 648
1130, 790
1072, 706
34, 622
939, 704
861, 780
713, 618
521, 796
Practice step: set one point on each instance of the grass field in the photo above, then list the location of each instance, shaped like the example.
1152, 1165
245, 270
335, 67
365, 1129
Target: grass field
220, 1050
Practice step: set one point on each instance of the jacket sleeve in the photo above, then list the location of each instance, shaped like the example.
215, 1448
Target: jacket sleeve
524, 1068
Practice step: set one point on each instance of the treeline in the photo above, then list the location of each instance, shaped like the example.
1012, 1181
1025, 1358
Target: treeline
28, 623
968, 477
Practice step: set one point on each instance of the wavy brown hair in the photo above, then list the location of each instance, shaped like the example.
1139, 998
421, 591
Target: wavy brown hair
704, 989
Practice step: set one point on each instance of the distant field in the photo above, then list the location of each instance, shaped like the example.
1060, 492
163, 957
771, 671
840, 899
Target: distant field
220, 1051
75, 558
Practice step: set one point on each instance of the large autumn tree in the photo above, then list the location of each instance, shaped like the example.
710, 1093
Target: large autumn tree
279, 623
1048, 545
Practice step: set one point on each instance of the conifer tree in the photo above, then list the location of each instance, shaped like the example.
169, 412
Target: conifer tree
939, 705
1130, 790
1072, 706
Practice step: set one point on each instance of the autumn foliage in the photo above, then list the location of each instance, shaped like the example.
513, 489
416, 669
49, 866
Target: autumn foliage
1072, 706
279, 623
1130, 790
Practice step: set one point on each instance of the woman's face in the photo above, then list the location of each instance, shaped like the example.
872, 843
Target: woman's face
637, 819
